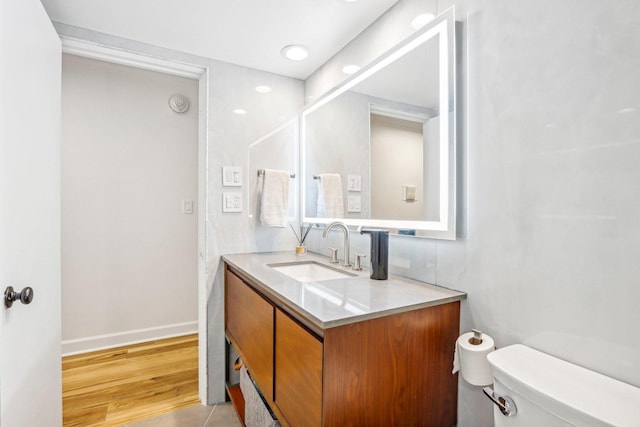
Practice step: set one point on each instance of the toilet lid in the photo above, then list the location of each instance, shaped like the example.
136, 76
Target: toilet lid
573, 393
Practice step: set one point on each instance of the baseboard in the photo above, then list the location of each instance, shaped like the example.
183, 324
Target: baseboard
102, 342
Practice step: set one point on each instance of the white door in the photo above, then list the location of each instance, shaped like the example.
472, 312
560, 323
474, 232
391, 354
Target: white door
30, 54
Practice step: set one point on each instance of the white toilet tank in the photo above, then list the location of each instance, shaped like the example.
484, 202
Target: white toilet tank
549, 392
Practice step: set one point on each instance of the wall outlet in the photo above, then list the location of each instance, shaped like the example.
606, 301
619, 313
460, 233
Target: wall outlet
231, 201
409, 193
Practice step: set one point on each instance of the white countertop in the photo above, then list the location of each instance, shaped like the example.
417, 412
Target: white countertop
330, 303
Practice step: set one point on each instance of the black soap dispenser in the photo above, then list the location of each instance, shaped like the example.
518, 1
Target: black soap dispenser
379, 253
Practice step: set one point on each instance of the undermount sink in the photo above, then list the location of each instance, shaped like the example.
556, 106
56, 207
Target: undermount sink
310, 271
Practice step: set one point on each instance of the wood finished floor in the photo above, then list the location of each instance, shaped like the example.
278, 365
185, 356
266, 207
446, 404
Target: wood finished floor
126, 384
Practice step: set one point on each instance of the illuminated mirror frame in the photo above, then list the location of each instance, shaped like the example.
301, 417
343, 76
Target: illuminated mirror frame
444, 27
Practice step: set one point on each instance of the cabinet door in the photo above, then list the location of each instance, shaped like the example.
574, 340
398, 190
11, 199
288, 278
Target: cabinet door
393, 370
249, 325
298, 375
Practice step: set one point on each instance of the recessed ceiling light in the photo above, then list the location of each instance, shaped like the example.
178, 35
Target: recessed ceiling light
240, 111
295, 52
350, 69
422, 20
263, 89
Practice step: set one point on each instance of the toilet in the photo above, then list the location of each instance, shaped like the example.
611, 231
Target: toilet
536, 389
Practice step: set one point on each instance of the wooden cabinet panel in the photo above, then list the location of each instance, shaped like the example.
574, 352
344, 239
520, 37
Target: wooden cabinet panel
393, 371
249, 324
298, 373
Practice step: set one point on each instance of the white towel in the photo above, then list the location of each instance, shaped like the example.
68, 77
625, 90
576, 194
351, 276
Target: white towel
330, 203
274, 203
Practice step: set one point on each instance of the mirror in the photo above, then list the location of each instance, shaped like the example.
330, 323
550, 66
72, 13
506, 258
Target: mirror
379, 149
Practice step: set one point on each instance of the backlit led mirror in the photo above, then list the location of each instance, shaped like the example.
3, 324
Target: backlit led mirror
379, 149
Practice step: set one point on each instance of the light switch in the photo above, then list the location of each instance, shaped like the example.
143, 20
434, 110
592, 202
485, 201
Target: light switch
354, 203
231, 201
354, 182
187, 207
231, 176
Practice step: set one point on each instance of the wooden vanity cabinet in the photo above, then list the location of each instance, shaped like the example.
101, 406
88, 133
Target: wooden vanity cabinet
393, 370
249, 325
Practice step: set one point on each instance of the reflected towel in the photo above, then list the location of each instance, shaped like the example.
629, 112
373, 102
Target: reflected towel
274, 202
330, 202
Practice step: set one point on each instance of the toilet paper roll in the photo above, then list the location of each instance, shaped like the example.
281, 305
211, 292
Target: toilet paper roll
471, 359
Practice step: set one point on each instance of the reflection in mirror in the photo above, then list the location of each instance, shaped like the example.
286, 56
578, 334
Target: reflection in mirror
275, 150
387, 134
408, 192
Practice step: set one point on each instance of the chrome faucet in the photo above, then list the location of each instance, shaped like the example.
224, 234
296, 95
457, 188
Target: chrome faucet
346, 239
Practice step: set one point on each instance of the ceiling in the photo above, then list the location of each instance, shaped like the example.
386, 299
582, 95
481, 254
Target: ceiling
245, 32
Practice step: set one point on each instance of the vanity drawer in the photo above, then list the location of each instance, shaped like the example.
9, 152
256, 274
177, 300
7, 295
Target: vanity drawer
249, 320
298, 373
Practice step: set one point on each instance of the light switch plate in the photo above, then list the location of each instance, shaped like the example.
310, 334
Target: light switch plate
231, 201
231, 176
354, 182
354, 203
187, 207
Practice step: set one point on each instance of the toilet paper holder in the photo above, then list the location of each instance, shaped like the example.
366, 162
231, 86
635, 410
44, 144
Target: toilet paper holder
476, 339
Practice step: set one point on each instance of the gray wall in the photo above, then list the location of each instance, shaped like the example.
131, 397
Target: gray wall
549, 203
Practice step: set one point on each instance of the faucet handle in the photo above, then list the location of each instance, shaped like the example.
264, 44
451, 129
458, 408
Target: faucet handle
334, 255
356, 263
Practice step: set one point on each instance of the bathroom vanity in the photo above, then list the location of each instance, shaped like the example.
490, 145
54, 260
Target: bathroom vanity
343, 351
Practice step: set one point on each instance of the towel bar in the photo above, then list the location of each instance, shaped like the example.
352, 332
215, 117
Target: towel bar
261, 173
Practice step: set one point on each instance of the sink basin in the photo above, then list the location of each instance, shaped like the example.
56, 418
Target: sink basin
310, 271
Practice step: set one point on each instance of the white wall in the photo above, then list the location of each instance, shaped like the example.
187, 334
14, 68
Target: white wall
128, 161
549, 207
277, 150
337, 141
431, 135
392, 27
398, 143
229, 136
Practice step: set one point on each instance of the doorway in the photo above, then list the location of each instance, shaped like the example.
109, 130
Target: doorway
133, 197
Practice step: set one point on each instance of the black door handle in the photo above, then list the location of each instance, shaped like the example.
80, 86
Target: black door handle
25, 296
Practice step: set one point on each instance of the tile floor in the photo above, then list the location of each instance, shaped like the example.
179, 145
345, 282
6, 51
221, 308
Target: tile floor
220, 415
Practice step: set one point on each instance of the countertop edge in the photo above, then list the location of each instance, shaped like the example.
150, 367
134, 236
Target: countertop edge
317, 325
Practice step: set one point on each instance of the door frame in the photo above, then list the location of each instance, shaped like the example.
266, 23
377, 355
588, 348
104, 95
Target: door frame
200, 72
